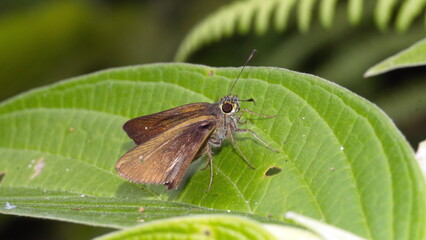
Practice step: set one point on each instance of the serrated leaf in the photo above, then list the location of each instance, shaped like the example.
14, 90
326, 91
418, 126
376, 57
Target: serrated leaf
410, 57
195, 227
342, 160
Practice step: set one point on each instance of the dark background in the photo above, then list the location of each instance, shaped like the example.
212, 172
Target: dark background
45, 41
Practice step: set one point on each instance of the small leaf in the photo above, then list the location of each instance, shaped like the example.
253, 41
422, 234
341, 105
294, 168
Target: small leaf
195, 227
326, 231
410, 57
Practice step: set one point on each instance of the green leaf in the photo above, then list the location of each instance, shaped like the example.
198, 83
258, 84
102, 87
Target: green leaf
195, 227
410, 57
342, 160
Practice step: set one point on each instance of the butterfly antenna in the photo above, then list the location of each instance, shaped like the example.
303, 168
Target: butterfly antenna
245, 64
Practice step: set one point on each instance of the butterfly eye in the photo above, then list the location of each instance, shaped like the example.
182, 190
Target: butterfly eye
227, 107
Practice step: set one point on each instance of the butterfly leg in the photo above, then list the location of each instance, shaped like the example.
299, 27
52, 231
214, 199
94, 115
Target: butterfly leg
210, 162
257, 137
205, 167
239, 150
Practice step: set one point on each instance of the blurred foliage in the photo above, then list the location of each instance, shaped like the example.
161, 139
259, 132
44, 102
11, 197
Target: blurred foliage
341, 54
43, 41
11, 228
59, 39
241, 16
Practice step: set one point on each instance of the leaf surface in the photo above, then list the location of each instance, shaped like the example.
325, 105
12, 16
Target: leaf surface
342, 160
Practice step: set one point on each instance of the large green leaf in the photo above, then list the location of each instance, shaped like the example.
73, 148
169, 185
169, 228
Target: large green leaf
342, 160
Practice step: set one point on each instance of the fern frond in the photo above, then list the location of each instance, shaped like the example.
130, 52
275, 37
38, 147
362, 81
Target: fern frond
242, 16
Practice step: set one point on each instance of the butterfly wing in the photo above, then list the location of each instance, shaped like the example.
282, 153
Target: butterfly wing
142, 129
164, 159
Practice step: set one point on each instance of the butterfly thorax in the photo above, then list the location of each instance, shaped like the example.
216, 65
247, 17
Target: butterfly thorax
226, 109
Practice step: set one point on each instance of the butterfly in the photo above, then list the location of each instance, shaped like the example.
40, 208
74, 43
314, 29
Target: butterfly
168, 142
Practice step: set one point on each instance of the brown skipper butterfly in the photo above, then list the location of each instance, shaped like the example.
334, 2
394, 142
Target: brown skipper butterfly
167, 142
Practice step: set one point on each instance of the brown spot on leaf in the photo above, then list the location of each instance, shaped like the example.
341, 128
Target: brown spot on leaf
272, 171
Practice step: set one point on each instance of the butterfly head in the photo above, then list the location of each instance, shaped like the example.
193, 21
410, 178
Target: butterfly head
229, 104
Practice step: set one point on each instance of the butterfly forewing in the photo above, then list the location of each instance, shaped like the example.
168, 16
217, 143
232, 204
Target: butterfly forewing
164, 158
144, 128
